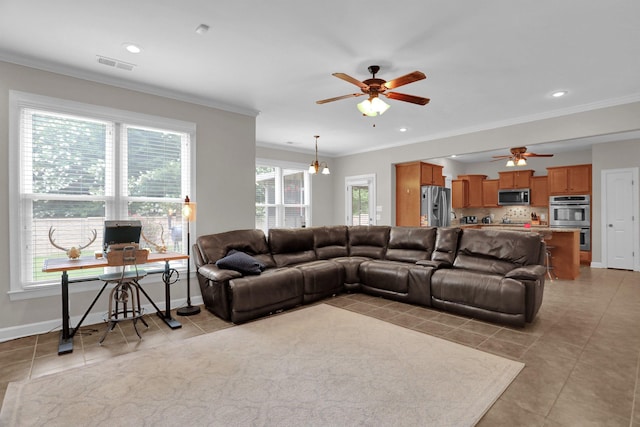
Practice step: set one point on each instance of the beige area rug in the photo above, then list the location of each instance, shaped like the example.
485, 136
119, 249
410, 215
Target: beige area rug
317, 366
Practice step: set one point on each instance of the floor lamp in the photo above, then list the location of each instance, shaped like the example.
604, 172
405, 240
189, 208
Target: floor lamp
188, 213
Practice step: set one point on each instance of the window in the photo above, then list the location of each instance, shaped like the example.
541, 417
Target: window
282, 195
75, 165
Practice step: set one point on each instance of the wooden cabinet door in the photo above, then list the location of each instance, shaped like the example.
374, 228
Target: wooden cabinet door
539, 191
431, 174
408, 194
474, 189
558, 178
515, 179
459, 193
490, 193
579, 179
570, 180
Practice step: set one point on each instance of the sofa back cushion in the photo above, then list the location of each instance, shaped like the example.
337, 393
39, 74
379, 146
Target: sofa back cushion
213, 247
291, 246
497, 251
368, 240
446, 245
331, 242
411, 244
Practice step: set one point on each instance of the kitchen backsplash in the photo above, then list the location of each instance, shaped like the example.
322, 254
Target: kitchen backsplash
514, 214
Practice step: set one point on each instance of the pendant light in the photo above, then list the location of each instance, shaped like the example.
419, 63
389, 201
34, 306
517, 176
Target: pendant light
316, 166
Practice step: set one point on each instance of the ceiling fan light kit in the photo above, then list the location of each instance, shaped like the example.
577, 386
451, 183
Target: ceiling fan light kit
374, 87
316, 166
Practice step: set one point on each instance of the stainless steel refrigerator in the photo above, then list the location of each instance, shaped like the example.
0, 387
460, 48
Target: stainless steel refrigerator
435, 209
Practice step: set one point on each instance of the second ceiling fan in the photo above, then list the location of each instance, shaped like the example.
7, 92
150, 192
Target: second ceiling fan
519, 155
375, 87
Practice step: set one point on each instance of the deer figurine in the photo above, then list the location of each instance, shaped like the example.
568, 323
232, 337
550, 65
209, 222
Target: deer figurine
73, 252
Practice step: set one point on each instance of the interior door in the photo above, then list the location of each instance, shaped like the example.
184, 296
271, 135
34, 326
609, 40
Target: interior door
619, 218
360, 200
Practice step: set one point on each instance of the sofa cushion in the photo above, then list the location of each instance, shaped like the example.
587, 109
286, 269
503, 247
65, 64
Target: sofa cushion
446, 245
397, 280
331, 242
411, 244
253, 242
321, 279
487, 291
290, 246
368, 240
498, 247
241, 262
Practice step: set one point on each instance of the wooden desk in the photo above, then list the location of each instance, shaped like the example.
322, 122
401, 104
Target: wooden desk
64, 265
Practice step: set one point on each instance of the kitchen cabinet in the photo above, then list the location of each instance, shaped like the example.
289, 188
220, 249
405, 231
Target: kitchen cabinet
490, 193
539, 191
515, 179
459, 193
569, 179
474, 189
409, 178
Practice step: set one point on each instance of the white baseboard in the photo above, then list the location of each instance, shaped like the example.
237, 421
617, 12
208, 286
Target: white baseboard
13, 332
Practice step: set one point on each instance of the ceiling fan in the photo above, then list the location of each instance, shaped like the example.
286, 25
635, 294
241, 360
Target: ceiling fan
518, 156
374, 87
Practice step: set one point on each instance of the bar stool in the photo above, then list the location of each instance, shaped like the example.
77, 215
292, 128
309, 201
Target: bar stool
124, 299
548, 257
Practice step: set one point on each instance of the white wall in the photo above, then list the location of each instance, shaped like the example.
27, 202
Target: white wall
225, 169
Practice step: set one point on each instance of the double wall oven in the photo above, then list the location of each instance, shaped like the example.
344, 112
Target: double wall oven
572, 212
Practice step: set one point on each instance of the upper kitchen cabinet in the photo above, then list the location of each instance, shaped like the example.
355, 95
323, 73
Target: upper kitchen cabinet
539, 191
459, 193
473, 189
409, 178
431, 174
490, 193
570, 180
515, 179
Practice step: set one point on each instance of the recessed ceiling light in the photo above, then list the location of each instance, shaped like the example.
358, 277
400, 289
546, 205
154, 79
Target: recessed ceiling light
132, 48
453, 155
403, 129
559, 93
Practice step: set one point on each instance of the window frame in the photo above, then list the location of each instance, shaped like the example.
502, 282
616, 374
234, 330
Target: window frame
119, 119
279, 205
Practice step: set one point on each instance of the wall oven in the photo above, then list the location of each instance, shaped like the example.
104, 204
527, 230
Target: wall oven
569, 211
572, 212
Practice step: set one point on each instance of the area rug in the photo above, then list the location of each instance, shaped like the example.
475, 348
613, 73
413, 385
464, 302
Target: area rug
317, 366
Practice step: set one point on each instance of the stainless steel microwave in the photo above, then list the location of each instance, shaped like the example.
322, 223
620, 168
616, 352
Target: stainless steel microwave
518, 196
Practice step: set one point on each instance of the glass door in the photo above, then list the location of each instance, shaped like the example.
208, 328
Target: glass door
360, 200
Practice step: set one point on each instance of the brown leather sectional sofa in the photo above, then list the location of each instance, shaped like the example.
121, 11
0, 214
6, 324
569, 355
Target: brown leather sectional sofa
494, 275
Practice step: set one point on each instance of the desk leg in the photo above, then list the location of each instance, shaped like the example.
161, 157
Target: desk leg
65, 345
166, 316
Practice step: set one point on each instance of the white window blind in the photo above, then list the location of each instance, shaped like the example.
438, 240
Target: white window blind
283, 196
75, 170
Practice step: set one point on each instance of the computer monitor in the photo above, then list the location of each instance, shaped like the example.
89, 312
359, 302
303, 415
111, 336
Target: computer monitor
118, 232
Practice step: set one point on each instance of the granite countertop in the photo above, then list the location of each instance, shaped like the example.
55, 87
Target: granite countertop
521, 227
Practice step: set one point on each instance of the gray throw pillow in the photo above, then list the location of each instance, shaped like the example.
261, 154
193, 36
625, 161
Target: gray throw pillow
241, 262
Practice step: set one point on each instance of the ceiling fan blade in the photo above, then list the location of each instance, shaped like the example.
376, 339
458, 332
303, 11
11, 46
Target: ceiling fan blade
407, 98
409, 78
338, 98
537, 155
501, 157
348, 78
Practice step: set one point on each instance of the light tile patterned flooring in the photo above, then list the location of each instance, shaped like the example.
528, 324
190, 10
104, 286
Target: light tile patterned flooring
581, 353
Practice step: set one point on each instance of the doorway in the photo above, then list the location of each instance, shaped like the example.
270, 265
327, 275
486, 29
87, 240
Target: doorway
620, 232
360, 200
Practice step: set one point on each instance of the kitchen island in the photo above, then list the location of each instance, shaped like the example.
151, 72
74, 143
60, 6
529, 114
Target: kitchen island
564, 244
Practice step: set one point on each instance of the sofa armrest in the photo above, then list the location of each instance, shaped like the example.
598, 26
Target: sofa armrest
527, 272
433, 264
217, 274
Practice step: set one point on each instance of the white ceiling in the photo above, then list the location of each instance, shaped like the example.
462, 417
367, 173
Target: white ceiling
488, 63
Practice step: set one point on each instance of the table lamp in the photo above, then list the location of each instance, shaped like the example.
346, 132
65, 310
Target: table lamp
188, 213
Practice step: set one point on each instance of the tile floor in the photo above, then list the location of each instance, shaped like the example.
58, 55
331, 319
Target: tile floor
581, 353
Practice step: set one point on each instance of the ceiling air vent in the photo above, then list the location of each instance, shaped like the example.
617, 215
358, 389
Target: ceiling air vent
110, 62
